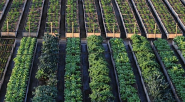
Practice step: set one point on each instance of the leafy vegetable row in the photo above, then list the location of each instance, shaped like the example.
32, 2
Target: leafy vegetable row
16, 88
34, 16
124, 71
156, 84
2, 5
53, 15
109, 17
13, 16
91, 17
128, 17
5, 49
179, 9
165, 16
72, 24
48, 65
98, 71
175, 70
146, 16
73, 80
180, 41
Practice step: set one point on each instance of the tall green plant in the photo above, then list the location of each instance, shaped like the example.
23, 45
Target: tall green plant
47, 68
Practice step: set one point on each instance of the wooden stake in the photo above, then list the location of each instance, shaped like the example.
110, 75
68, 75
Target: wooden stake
176, 29
135, 28
93, 29
51, 28
113, 30
7, 28
29, 28
155, 30
73, 28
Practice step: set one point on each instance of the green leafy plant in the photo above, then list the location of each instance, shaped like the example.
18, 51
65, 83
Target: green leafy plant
156, 84
45, 94
73, 81
47, 70
16, 88
124, 71
147, 18
180, 41
175, 70
98, 71
49, 58
166, 17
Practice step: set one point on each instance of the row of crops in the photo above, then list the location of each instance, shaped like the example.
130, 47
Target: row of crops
34, 16
53, 17
128, 17
147, 17
128, 12
2, 7
153, 74
179, 9
91, 17
166, 17
72, 23
13, 16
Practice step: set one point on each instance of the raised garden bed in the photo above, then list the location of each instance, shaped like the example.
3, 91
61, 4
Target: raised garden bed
13, 18
128, 18
126, 81
148, 21
3, 5
179, 44
72, 20
32, 25
166, 18
53, 17
91, 18
109, 19
98, 71
177, 9
6, 48
73, 71
173, 67
18, 85
150, 70
47, 71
